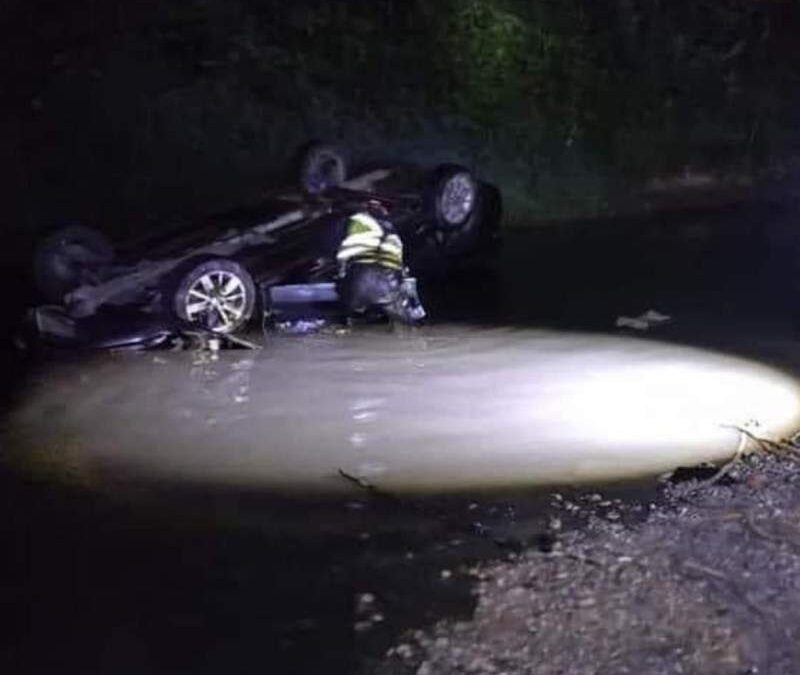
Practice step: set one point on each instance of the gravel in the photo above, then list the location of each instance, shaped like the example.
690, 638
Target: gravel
706, 580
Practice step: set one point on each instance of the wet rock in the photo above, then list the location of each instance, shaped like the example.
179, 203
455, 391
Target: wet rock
425, 669
545, 542
705, 584
404, 651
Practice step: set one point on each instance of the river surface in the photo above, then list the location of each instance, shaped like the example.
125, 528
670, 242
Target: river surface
144, 516
442, 408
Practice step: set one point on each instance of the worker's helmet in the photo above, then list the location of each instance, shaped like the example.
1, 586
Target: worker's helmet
376, 208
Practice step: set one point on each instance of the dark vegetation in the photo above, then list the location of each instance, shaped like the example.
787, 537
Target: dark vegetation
117, 113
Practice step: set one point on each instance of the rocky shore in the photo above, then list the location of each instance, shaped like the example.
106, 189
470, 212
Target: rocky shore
705, 580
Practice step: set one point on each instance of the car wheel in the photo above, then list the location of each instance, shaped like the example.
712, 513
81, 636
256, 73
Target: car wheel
218, 294
451, 197
68, 258
476, 236
322, 167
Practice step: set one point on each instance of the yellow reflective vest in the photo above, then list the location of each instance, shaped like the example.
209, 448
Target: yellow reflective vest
367, 242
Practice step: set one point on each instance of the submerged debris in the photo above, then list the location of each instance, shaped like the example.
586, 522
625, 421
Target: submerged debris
649, 319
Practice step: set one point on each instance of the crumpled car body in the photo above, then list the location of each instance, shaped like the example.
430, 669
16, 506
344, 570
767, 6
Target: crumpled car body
228, 264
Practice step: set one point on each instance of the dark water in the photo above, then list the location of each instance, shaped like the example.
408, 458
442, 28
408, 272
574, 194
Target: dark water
163, 557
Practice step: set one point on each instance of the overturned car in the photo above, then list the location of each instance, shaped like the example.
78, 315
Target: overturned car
279, 258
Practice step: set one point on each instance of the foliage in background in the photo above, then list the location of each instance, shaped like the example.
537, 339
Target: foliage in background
569, 104
542, 94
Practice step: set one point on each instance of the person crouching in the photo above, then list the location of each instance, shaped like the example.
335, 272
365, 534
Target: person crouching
371, 269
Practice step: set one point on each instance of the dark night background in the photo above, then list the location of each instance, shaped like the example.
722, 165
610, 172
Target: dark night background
126, 115
117, 114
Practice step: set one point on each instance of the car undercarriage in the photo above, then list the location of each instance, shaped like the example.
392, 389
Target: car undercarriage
220, 274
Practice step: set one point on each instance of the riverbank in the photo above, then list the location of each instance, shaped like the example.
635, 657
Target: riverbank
703, 582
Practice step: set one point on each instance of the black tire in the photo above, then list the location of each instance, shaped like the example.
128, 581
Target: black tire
228, 289
68, 258
477, 236
322, 167
451, 197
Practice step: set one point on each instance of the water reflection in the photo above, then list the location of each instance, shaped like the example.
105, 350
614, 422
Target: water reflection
435, 409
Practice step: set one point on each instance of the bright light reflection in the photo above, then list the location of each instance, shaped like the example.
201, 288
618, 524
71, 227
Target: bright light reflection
440, 409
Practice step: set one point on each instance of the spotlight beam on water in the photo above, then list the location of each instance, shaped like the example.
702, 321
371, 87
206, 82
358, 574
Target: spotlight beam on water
440, 409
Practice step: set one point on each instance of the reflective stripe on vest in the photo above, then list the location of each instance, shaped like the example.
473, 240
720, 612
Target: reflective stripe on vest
366, 241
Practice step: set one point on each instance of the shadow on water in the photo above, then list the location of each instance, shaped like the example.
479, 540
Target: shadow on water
96, 587
728, 278
161, 580
207, 581
165, 578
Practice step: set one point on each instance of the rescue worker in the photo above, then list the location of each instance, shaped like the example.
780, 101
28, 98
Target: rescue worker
371, 270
